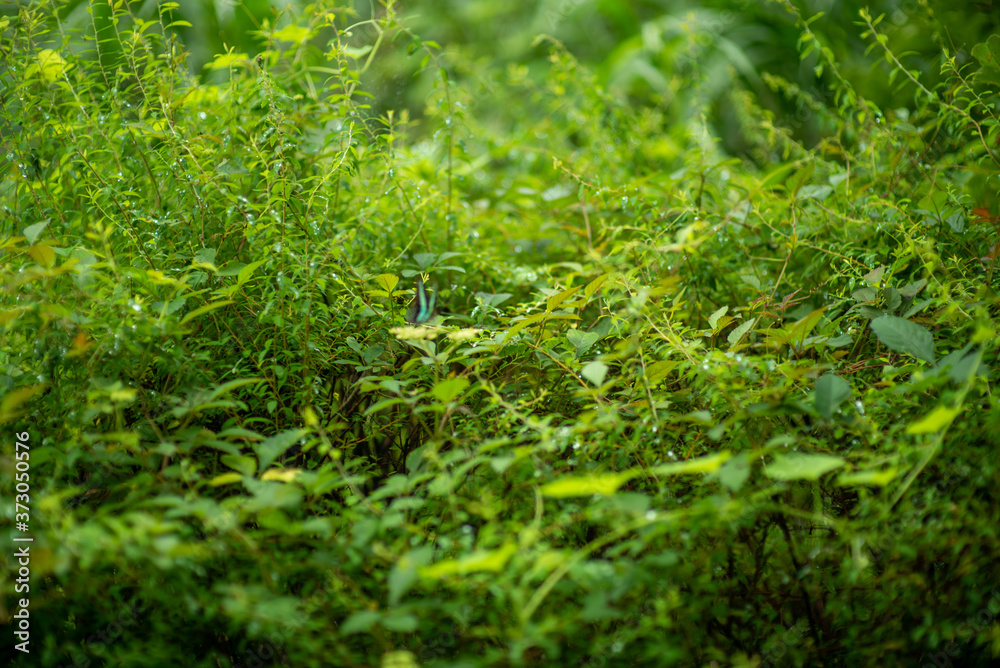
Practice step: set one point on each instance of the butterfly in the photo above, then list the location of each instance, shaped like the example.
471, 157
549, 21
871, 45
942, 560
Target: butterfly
422, 308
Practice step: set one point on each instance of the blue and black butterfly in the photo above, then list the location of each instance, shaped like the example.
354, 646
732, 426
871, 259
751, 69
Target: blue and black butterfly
422, 307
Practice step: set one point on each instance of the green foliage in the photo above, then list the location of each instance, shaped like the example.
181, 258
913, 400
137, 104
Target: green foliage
691, 384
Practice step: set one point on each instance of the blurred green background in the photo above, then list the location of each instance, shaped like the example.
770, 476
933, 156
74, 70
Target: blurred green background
642, 51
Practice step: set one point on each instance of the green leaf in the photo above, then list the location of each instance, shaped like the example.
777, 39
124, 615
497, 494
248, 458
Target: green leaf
205, 309
594, 286
714, 318
382, 405
31, 232
937, 419
372, 353
868, 478
892, 298
706, 464
956, 222
813, 191
225, 479
657, 371
737, 334
801, 329
581, 340
242, 463
399, 658
904, 336
874, 277
553, 302
501, 464
405, 573
910, 290
734, 472
479, 561
424, 260
13, 399
595, 372
226, 388
988, 55
205, 256
831, 391
400, 623
387, 281
802, 467
490, 299
776, 176
292, 33
518, 325
272, 448
961, 364
270, 495
839, 341
864, 295
446, 390
598, 483
359, 622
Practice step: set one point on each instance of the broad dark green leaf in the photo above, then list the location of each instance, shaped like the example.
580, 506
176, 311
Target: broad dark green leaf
831, 391
904, 336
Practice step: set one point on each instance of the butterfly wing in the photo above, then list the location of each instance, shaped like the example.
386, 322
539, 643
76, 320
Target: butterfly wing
422, 307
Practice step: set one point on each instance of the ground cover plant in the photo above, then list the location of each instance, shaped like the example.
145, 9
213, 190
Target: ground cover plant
674, 361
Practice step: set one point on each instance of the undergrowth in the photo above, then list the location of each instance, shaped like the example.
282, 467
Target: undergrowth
680, 404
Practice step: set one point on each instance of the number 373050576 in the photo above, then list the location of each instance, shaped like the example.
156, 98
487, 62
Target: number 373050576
22, 487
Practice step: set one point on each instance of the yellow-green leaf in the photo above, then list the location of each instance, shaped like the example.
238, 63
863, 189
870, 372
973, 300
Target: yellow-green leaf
246, 272
243, 464
388, 281
599, 483
553, 302
595, 372
11, 403
491, 561
42, 254
225, 479
283, 475
737, 334
224, 61
872, 478
521, 324
706, 464
594, 285
11, 314
292, 33
938, 418
122, 394
205, 309
657, 371
713, 319
51, 65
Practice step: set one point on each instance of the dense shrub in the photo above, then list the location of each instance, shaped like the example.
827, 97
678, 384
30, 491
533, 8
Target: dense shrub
709, 383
